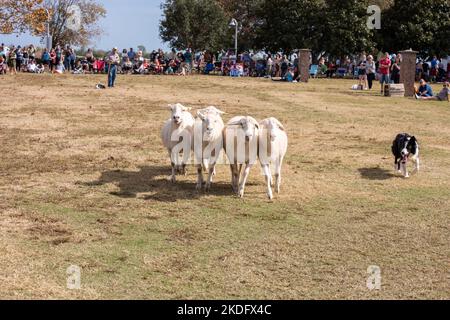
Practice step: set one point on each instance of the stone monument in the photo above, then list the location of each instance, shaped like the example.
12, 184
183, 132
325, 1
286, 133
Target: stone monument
408, 71
304, 64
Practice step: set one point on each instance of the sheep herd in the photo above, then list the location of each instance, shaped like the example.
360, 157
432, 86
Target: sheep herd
242, 139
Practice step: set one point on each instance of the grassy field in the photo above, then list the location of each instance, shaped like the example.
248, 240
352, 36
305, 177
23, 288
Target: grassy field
83, 181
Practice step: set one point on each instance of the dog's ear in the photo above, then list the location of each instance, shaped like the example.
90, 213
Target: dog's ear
413, 139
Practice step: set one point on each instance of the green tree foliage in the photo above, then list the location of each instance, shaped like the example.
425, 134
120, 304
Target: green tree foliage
198, 24
336, 27
421, 25
344, 28
246, 12
289, 24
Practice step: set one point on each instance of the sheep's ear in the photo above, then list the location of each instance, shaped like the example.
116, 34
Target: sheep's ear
253, 121
216, 110
219, 111
170, 106
280, 125
236, 123
201, 115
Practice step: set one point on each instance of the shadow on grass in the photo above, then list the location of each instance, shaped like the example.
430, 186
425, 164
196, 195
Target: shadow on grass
148, 180
376, 173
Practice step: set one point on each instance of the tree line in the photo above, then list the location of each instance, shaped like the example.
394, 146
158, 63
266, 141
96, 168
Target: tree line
335, 27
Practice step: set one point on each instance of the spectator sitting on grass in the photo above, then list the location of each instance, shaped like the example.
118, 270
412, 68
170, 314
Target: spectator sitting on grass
288, 77
78, 68
444, 95
40, 68
3, 67
32, 67
60, 67
424, 89
127, 66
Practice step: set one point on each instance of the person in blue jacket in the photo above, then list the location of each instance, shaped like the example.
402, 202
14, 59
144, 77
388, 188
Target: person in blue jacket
424, 89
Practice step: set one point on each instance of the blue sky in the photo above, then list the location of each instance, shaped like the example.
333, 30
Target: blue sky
128, 23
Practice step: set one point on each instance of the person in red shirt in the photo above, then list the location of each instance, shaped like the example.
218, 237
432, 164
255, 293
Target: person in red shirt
385, 65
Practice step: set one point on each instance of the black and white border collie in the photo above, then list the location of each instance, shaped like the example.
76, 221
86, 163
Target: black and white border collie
404, 147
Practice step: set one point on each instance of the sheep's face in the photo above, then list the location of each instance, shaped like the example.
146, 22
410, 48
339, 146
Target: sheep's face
212, 123
250, 128
273, 128
211, 126
178, 113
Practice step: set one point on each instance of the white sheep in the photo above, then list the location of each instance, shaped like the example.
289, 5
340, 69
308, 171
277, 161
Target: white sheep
208, 143
241, 146
273, 143
177, 136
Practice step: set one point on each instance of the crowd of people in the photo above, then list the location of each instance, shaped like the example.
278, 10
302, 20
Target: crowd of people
367, 68
65, 59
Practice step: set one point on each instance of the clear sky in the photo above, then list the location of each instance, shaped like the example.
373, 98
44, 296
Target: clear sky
128, 23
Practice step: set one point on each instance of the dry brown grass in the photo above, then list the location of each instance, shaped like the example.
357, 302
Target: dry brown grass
83, 182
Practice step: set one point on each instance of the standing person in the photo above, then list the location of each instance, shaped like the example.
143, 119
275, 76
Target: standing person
131, 55
32, 52
46, 59
90, 60
113, 60
370, 71
19, 61
362, 72
25, 56
284, 65
67, 54
188, 60
385, 65
269, 65
52, 60
59, 54
72, 59
395, 69
12, 60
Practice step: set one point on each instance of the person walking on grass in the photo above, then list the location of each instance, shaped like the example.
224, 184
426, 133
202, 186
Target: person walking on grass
113, 60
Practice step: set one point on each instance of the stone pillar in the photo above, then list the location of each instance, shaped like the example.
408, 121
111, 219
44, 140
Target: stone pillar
304, 63
408, 71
